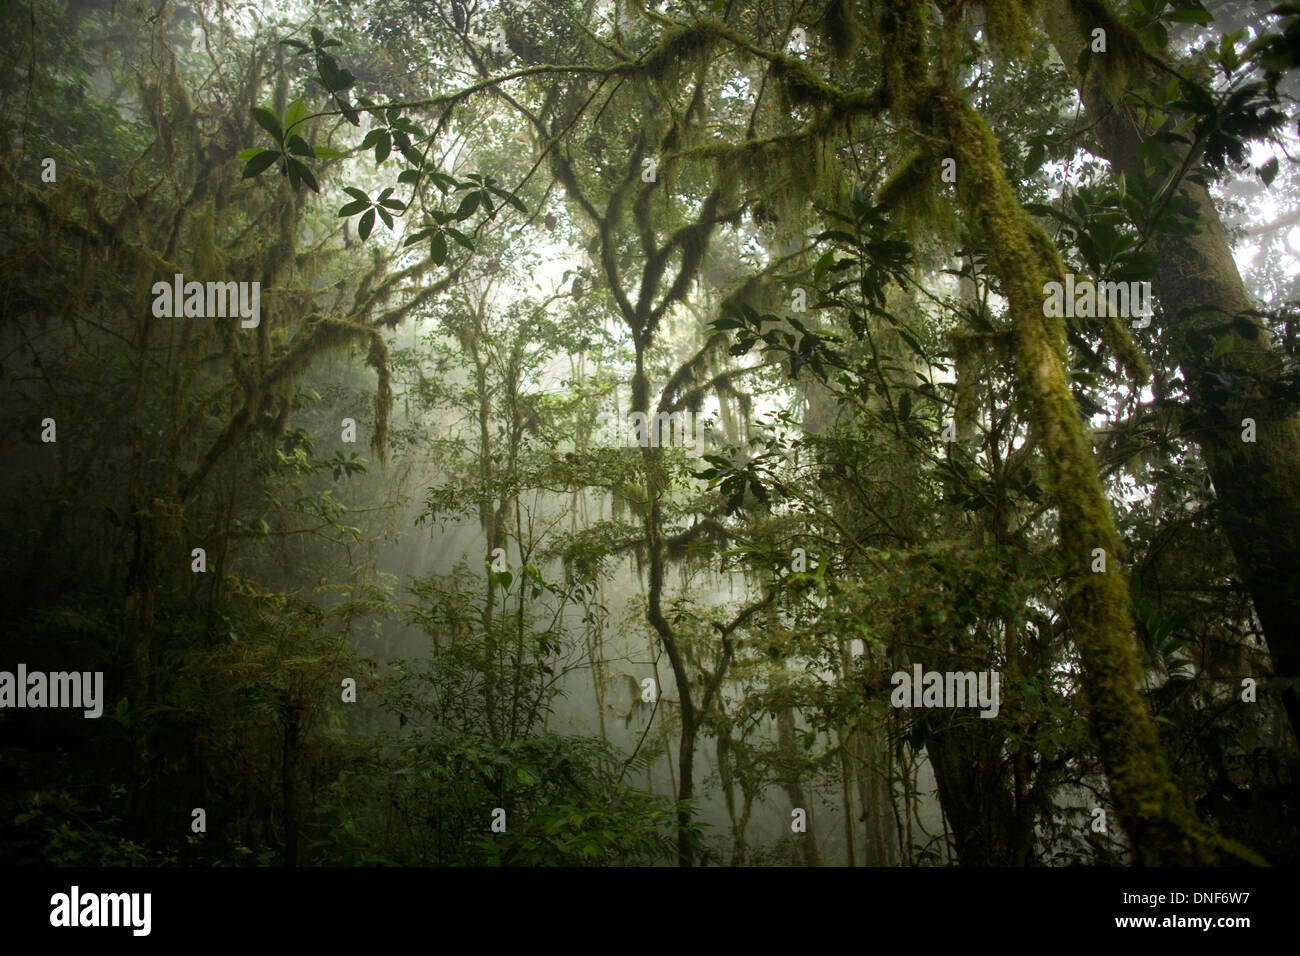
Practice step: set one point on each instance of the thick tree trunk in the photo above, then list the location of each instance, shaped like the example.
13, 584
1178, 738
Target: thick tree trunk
972, 778
1200, 291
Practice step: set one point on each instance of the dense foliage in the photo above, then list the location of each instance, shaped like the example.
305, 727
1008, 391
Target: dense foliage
638, 390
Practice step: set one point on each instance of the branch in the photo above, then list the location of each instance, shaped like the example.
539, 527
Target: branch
726, 631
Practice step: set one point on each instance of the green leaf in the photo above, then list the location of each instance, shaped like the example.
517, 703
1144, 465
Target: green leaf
395, 204
383, 146
296, 113
408, 176
1037, 153
468, 205
839, 235
354, 207
367, 225
300, 147
1223, 346
328, 68
247, 154
510, 198
823, 266
910, 339
355, 192
260, 162
324, 152
460, 238
383, 214
442, 181
268, 121
438, 248
306, 175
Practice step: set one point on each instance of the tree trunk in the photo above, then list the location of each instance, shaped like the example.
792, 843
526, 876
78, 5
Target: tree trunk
872, 763
793, 787
968, 767
291, 715
657, 558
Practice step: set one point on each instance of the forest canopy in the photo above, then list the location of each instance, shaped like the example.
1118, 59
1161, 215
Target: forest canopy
601, 432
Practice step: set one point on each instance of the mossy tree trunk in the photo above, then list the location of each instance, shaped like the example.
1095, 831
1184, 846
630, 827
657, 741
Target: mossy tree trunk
1200, 290
1151, 810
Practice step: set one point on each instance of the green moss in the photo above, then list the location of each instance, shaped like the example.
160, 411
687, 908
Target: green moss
206, 254
378, 360
678, 47
792, 167
903, 28
916, 193
1008, 27
840, 26
800, 85
1115, 333
1151, 809
1125, 56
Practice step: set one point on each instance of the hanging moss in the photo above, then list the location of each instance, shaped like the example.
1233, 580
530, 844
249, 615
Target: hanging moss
903, 28
167, 517
841, 28
677, 47
1008, 26
378, 360
969, 372
973, 354
1125, 56
800, 86
85, 208
793, 167
207, 256
916, 193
